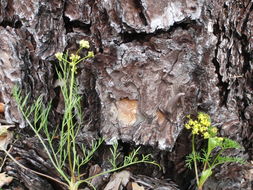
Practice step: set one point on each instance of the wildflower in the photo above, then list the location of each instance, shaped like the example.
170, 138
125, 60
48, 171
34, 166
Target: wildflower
90, 54
201, 125
206, 123
74, 57
206, 135
195, 131
59, 55
191, 122
187, 126
197, 126
204, 119
203, 116
84, 44
214, 130
203, 128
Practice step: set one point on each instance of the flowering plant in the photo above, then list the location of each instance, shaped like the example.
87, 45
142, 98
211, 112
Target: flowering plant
66, 155
201, 126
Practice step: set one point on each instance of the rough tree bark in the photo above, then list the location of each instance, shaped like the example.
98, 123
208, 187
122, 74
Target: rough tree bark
156, 61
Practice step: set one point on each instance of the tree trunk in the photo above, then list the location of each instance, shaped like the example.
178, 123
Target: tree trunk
155, 62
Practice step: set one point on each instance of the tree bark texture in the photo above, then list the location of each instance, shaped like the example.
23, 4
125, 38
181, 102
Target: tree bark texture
155, 62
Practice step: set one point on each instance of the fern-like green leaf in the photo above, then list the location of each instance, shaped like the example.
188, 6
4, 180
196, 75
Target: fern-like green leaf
229, 143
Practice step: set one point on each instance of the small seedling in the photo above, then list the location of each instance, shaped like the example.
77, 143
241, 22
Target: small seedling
201, 126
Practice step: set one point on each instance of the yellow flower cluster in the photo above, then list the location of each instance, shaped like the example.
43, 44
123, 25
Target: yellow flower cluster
74, 57
90, 54
201, 126
84, 44
59, 55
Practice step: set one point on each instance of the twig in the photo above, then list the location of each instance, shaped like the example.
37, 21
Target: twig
3, 163
38, 173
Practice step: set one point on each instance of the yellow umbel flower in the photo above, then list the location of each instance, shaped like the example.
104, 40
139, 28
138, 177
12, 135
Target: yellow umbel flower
214, 130
74, 58
59, 55
204, 119
203, 128
90, 54
191, 122
206, 135
195, 131
201, 125
84, 44
187, 126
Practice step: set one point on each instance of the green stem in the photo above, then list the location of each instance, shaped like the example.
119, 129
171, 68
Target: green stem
65, 60
213, 163
206, 161
45, 147
20, 107
195, 161
79, 50
209, 150
69, 120
82, 59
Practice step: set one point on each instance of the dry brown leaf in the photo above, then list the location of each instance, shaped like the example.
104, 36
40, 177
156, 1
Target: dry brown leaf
94, 170
5, 136
135, 186
118, 179
1, 107
5, 179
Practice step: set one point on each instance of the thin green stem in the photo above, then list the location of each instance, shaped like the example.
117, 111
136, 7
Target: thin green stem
213, 163
209, 151
65, 60
80, 60
46, 149
79, 50
19, 100
194, 160
70, 120
206, 161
